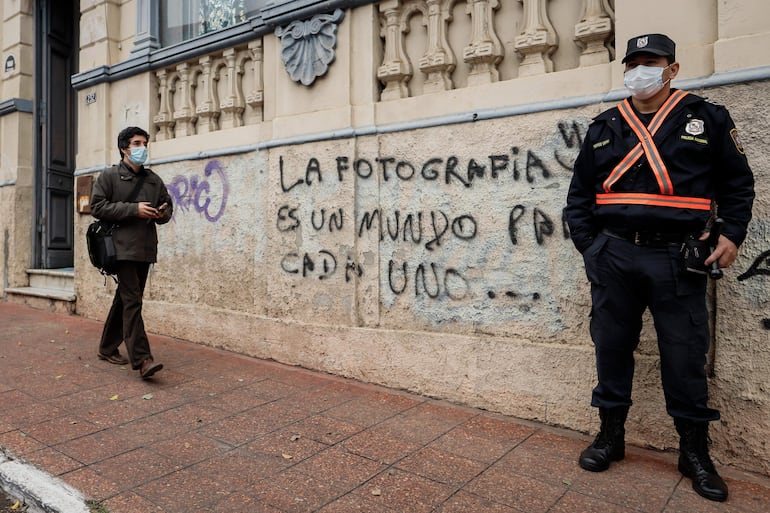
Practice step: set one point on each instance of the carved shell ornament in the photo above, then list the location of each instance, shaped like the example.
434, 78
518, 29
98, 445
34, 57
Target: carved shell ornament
307, 47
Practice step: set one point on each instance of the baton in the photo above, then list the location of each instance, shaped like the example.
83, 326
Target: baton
716, 229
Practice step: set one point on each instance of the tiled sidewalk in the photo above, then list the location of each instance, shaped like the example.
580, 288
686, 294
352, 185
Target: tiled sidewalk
218, 432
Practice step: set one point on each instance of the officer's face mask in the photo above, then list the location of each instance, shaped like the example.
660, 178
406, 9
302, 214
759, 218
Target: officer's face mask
138, 155
644, 82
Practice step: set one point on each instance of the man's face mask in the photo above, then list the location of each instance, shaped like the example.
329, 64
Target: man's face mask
138, 155
644, 81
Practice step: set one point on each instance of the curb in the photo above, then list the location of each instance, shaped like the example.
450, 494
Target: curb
41, 492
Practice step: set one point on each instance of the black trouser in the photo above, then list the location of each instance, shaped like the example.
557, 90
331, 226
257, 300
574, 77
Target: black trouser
626, 279
124, 322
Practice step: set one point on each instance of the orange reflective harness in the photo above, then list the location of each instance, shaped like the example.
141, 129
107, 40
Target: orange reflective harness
646, 146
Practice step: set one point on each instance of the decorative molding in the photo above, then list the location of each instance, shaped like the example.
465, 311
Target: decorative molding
537, 41
594, 32
185, 116
164, 119
485, 51
233, 105
438, 63
396, 70
144, 57
307, 47
255, 98
16, 105
208, 109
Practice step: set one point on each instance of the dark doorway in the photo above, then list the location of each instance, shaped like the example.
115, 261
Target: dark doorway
56, 31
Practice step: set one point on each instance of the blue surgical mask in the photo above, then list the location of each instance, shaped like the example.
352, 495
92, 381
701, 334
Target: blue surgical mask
138, 155
644, 82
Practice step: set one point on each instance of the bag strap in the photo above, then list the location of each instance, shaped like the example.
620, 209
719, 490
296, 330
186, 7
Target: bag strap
137, 187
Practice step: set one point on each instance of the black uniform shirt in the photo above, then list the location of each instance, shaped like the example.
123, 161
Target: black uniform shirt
700, 147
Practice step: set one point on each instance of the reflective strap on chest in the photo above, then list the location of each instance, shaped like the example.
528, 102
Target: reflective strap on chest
646, 145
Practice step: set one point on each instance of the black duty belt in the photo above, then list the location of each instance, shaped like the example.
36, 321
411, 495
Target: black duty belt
647, 238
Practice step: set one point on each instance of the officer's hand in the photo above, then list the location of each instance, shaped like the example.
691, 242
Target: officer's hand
726, 252
147, 211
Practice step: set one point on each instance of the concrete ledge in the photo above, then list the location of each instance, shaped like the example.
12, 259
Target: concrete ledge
42, 299
41, 492
57, 294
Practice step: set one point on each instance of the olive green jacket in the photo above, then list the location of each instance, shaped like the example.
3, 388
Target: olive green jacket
135, 238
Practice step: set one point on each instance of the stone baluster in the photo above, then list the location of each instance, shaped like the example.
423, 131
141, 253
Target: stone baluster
255, 98
395, 70
537, 41
185, 116
164, 120
438, 61
233, 104
485, 51
594, 31
207, 108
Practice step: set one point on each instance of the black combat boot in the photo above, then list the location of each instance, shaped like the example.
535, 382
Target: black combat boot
610, 444
694, 460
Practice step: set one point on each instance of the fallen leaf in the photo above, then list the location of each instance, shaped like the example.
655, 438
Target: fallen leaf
295, 438
73, 422
16, 505
60, 376
67, 332
114, 397
147, 396
287, 456
187, 445
566, 482
376, 492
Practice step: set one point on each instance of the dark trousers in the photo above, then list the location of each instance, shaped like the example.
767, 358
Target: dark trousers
626, 279
124, 321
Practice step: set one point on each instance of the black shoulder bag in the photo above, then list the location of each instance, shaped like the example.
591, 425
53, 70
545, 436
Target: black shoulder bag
101, 247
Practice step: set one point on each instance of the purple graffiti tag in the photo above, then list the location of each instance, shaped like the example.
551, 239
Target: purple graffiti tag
196, 193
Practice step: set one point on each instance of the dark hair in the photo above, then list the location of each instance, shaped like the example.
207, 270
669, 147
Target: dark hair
125, 135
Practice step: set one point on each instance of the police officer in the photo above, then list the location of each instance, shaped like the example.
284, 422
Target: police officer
650, 178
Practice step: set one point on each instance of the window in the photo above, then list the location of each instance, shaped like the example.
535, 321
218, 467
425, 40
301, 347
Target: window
185, 19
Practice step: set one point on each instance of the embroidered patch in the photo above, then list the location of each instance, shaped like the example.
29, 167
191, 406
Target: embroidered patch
695, 127
601, 143
698, 140
737, 141
642, 42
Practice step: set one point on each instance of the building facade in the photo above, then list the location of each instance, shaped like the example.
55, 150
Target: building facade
375, 189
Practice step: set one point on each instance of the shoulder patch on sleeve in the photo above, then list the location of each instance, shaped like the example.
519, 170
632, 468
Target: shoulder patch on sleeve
737, 141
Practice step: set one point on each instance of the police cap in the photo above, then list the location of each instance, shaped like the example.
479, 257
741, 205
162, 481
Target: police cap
656, 44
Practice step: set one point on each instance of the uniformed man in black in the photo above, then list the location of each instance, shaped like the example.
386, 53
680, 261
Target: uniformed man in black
651, 178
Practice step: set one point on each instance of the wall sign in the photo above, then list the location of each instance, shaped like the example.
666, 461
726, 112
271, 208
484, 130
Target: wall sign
10, 64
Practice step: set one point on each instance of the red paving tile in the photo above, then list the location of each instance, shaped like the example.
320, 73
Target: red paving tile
216, 431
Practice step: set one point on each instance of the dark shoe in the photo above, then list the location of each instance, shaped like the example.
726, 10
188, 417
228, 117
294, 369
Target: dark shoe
695, 462
609, 445
115, 358
148, 368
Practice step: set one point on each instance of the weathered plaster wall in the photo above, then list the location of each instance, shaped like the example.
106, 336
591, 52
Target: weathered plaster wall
436, 260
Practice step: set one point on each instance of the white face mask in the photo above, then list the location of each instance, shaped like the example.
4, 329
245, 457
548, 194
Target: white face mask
644, 81
138, 155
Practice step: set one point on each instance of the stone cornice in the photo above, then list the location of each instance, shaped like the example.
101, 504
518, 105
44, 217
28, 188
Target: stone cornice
15, 105
273, 15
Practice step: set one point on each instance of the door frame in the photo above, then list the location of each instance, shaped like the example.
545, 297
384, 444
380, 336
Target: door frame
41, 125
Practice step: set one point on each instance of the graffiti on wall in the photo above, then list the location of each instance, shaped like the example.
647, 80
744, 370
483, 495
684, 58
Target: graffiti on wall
434, 235
760, 267
206, 195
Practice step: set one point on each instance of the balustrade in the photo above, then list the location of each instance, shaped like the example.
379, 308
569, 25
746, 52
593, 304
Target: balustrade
533, 46
207, 94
